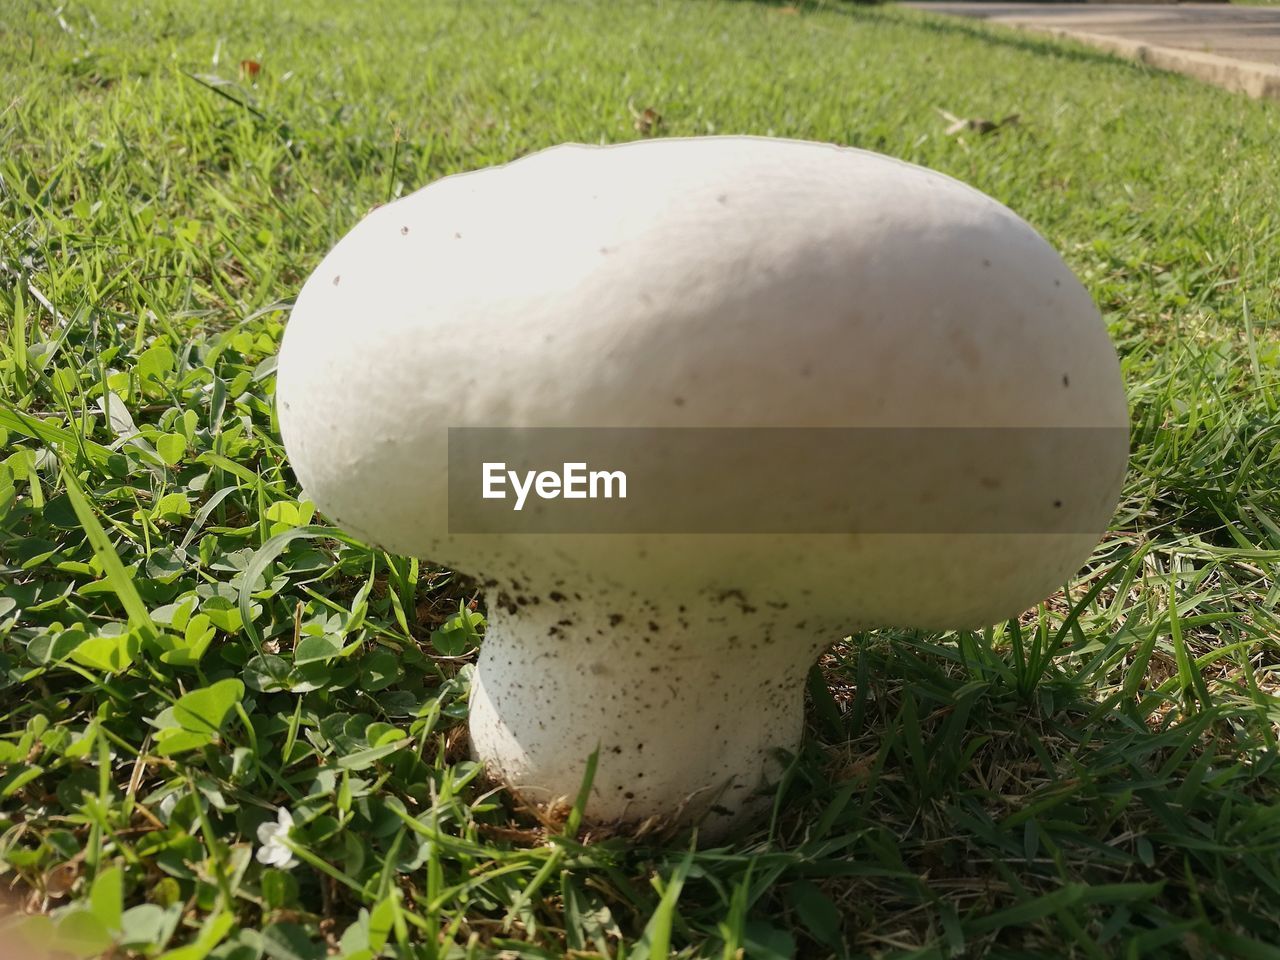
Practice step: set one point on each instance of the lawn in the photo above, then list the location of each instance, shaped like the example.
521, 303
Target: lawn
1099, 779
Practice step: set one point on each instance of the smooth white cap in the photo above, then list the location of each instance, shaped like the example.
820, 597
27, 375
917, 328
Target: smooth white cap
726, 281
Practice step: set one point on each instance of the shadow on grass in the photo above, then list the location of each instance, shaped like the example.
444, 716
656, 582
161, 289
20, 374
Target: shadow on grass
950, 25
939, 807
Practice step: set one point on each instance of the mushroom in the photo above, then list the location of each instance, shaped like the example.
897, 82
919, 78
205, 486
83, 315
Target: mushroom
722, 282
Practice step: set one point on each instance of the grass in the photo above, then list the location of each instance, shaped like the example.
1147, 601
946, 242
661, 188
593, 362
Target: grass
185, 648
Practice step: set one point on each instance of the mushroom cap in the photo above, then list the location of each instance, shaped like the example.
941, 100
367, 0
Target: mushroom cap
706, 282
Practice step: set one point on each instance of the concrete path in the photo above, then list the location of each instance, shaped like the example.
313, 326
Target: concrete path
1233, 46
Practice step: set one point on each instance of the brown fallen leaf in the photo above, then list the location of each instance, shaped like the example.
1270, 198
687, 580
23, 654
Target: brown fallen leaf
250, 69
60, 879
978, 125
647, 120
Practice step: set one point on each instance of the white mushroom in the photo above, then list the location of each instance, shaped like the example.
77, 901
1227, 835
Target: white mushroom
716, 282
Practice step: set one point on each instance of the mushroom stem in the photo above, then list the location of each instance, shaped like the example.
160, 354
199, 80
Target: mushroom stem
690, 707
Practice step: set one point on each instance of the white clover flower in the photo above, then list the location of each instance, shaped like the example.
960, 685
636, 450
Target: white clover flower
274, 852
